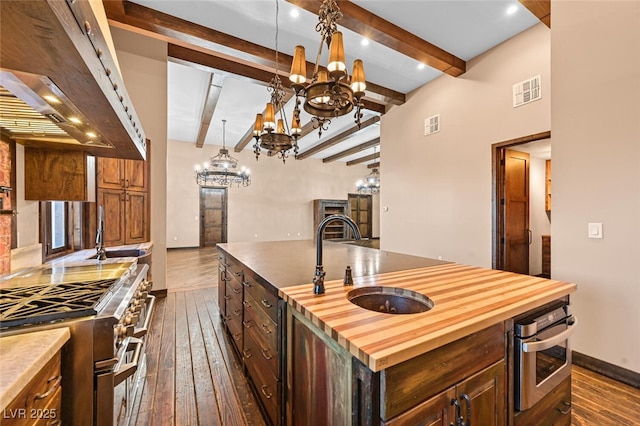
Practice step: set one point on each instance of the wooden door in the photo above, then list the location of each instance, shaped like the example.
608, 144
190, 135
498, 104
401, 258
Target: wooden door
487, 396
136, 175
111, 173
136, 217
114, 216
361, 213
516, 204
213, 216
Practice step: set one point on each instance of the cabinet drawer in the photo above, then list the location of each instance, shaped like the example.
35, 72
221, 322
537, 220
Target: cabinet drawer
435, 371
435, 411
257, 319
234, 269
40, 401
267, 300
234, 324
258, 346
233, 289
266, 386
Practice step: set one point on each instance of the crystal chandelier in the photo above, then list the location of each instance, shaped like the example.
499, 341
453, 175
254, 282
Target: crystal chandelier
330, 93
222, 169
269, 133
370, 184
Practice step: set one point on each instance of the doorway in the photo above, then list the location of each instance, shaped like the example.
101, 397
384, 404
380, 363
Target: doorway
522, 220
213, 216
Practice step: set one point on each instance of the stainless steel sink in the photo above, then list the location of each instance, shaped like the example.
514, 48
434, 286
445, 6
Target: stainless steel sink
390, 300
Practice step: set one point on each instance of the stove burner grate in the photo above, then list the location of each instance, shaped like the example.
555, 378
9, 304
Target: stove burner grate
51, 302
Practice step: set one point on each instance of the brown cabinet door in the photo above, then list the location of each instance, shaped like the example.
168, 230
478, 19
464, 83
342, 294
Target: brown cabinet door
437, 411
114, 216
136, 215
486, 396
136, 175
111, 173
516, 193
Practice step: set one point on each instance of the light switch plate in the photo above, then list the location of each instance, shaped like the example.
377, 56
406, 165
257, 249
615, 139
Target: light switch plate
595, 230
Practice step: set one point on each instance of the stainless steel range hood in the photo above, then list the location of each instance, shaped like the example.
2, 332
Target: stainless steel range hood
60, 85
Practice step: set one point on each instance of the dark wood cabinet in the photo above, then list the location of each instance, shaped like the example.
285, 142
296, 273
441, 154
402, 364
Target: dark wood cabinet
122, 190
552, 410
546, 256
251, 314
56, 175
334, 231
547, 186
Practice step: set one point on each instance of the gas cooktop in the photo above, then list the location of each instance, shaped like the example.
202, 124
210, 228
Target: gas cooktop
45, 303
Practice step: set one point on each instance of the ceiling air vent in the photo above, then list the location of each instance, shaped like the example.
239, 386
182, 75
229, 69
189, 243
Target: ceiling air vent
526, 91
432, 125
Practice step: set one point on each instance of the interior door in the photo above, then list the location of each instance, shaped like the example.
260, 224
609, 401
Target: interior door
361, 211
516, 203
213, 216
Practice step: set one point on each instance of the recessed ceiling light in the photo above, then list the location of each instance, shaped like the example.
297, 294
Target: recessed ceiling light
365, 41
294, 13
91, 134
421, 66
52, 99
512, 9
75, 120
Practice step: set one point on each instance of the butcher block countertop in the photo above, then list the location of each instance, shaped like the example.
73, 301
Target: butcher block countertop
23, 356
466, 299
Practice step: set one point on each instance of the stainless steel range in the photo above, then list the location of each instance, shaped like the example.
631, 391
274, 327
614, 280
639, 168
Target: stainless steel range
108, 319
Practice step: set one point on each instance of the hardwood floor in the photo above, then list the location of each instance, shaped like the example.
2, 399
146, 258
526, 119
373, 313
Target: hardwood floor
193, 377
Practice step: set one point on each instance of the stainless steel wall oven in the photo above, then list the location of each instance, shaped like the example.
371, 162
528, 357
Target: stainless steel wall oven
542, 352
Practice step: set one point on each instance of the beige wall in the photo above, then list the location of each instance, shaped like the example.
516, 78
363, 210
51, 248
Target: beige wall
595, 57
143, 63
276, 206
438, 188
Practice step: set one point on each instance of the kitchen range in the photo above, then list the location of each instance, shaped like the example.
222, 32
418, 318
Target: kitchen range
107, 308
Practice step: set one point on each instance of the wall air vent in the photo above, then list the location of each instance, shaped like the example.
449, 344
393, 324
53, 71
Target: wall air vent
432, 125
526, 91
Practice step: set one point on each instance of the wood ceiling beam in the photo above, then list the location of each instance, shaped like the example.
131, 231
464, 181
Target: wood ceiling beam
176, 31
369, 144
375, 28
213, 94
540, 8
337, 138
375, 165
363, 159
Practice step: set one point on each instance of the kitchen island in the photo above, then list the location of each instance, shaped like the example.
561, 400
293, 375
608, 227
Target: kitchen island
321, 357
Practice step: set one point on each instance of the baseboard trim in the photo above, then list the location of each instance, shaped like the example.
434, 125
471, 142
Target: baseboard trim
159, 293
611, 371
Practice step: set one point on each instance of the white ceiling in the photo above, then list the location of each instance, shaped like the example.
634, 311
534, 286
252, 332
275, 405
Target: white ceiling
463, 28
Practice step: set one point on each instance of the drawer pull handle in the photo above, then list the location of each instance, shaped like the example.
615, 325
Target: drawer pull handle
226, 317
266, 354
236, 290
246, 304
227, 297
246, 284
266, 329
246, 354
246, 324
237, 274
567, 411
237, 337
237, 312
266, 303
263, 389
56, 383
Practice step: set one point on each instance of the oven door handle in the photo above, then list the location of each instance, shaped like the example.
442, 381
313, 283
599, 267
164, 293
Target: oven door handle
151, 305
552, 341
123, 371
